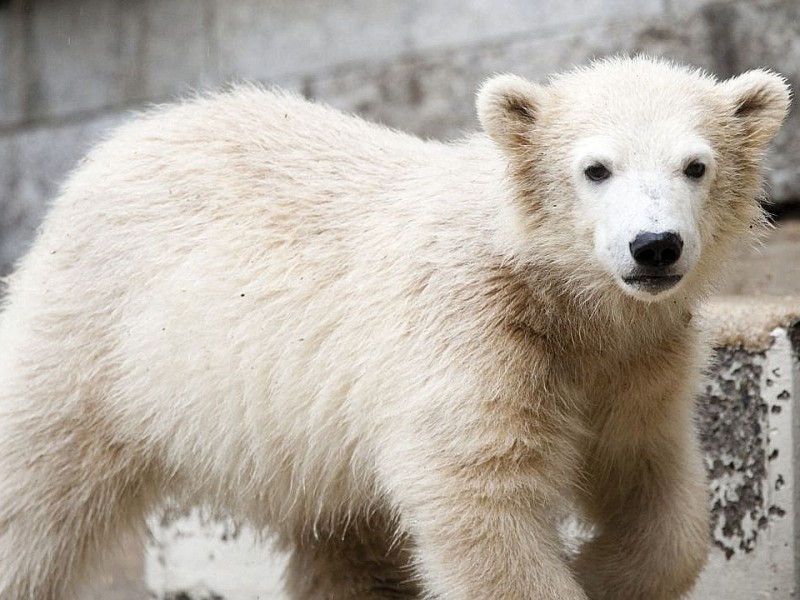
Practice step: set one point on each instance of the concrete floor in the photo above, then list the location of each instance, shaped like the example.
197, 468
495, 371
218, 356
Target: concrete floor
772, 269
124, 579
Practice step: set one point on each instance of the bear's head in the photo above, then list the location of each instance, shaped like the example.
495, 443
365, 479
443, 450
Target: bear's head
634, 174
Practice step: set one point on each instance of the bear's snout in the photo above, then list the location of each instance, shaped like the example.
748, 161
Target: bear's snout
655, 255
656, 250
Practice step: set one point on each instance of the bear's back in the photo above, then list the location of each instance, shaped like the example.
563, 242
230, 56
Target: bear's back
253, 246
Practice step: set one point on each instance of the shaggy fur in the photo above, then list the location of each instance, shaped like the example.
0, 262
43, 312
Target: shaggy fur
402, 358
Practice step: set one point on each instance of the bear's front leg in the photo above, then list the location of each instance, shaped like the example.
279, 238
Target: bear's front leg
362, 559
648, 499
484, 530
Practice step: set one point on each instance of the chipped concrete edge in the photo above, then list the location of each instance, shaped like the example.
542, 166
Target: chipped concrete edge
751, 456
748, 321
192, 557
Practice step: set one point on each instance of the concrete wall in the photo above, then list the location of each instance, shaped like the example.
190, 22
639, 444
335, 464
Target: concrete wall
70, 70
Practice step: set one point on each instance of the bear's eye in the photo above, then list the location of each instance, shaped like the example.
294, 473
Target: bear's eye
695, 170
597, 172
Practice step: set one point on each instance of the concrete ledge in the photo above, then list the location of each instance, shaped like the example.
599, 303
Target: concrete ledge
747, 422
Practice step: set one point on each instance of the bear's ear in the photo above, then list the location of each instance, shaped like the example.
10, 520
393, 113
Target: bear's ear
761, 99
508, 106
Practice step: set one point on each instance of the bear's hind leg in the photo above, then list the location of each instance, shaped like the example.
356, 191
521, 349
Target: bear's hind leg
365, 560
66, 498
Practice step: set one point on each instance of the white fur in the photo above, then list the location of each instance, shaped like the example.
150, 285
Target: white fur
647, 192
405, 359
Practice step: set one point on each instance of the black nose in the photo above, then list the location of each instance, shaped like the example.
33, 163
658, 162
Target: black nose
651, 249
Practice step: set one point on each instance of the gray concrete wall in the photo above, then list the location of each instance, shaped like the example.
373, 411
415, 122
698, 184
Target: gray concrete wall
71, 70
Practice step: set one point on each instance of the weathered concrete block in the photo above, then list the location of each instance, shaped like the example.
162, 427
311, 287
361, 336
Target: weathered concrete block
747, 422
747, 419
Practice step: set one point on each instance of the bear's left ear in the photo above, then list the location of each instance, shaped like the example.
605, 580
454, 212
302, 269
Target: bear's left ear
761, 99
508, 107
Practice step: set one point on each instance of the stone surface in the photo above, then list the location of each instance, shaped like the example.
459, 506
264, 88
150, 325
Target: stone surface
771, 268
12, 51
747, 421
281, 38
310, 36
123, 577
433, 96
84, 56
193, 558
9, 208
180, 48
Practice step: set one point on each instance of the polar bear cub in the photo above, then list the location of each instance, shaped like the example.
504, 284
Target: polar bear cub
403, 359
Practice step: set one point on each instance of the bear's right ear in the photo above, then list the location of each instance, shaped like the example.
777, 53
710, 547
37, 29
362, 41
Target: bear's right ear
760, 100
508, 106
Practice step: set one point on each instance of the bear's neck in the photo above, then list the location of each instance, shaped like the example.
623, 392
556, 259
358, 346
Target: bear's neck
579, 325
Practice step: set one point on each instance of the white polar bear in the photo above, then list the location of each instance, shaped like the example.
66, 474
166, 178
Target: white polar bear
405, 359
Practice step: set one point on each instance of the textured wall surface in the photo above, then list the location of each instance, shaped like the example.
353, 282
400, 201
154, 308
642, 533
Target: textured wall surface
747, 421
71, 70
